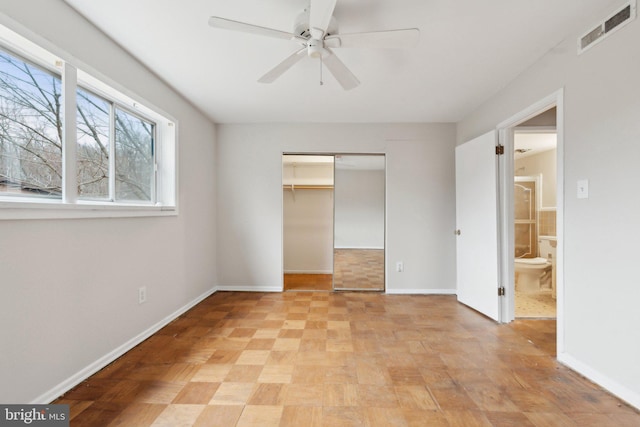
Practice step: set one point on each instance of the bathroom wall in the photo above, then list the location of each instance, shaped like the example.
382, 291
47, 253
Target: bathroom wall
543, 164
547, 222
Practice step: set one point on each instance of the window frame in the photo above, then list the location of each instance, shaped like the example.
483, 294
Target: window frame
53, 72
76, 75
154, 180
111, 165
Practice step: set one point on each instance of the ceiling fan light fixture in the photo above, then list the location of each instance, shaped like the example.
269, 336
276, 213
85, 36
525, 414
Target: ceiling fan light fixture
315, 49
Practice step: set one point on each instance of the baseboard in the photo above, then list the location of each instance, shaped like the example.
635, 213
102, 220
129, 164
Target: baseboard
615, 388
308, 272
249, 288
421, 291
105, 360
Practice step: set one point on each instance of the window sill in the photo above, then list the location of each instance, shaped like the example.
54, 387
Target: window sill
54, 209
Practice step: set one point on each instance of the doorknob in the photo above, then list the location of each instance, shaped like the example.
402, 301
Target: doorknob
457, 232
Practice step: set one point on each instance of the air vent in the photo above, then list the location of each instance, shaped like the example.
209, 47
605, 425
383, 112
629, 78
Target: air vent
614, 22
617, 19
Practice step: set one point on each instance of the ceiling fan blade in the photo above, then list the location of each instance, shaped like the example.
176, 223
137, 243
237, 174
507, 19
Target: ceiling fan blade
228, 24
279, 69
394, 39
320, 17
340, 71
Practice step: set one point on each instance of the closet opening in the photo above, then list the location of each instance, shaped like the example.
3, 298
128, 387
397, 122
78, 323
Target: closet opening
333, 222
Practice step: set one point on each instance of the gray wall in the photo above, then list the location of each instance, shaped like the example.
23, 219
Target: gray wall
420, 198
359, 210
308, 231
69, 286
601, 143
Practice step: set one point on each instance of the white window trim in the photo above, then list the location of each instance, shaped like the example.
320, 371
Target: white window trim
166, 161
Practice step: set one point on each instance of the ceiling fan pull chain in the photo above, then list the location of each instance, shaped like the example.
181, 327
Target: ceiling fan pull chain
321, 82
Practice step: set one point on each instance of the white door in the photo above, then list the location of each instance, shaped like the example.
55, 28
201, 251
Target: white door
477, 225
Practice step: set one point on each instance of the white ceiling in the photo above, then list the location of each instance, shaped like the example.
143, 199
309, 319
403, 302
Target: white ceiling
468, 50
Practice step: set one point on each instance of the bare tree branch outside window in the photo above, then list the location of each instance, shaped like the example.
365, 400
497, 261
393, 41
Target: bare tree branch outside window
31, 139
30, 129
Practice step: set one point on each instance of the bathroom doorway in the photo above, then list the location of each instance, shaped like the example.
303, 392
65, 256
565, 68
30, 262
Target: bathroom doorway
534, 208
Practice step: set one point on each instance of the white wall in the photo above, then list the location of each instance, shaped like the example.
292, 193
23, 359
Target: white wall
308, 231
359, 209
420, 198
307, 217
69, 287
307, 173
602, 130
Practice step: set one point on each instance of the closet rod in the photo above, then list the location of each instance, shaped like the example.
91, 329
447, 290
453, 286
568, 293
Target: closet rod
307, 187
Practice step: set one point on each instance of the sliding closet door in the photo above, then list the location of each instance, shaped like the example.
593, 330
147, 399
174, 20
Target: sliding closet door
359, 212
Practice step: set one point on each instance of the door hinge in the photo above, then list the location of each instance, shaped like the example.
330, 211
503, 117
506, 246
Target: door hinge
499, 150
501, 291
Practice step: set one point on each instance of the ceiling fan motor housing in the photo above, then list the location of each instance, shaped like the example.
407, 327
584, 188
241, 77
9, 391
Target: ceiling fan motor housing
301, 25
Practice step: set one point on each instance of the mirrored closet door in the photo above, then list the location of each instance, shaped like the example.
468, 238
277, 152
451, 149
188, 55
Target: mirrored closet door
359, 222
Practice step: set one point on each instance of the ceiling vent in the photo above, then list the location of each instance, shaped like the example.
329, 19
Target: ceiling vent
608, 26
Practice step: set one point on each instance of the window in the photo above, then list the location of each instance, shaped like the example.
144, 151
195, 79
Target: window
124, 152
30, 129
129, 142
134, 157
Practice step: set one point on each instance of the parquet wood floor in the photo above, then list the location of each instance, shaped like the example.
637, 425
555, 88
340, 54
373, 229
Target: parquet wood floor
354, 269
343, 359
308, 282
358, 269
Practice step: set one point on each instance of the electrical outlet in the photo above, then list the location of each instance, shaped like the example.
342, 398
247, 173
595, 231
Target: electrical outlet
142, 295
399, 266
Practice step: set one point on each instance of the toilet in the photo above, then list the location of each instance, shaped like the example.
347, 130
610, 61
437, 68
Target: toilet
528, 273
547, 247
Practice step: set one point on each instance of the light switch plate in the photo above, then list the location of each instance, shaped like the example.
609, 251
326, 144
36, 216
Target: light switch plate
583, 189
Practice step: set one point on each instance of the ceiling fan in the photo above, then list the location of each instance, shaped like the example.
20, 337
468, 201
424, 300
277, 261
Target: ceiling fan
316, 30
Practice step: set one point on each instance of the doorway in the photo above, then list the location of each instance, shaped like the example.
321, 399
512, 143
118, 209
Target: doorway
550, 216
307, 220
485, 180
333, 222
534, 197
